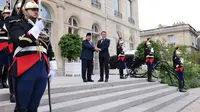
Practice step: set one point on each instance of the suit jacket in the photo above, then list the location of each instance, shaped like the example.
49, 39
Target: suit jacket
104, 45
87, 50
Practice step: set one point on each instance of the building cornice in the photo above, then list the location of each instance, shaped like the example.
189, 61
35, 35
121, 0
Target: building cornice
103, 16
169, 29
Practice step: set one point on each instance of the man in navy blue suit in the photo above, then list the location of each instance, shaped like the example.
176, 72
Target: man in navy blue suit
87, 58
104, 56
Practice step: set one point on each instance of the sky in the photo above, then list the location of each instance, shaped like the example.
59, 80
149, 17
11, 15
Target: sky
166, 12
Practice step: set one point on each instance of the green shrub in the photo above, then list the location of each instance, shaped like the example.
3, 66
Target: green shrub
70, 45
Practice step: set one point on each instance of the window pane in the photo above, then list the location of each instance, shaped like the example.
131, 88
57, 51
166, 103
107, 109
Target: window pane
70, 30
117, 5
94, 1
131, 46
129, 8
96, 29
75, 31
70, 21
48, 26
45, 13
74, 23
171, 39
2, 4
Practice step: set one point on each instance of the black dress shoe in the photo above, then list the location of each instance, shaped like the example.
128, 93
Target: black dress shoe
1, 86
151, 80
90, 80
122, 77
100, 80
5, 85
182, 90
12, 98
106, 80
84, 80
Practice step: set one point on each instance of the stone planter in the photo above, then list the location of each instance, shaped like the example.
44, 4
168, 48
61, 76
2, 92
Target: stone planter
72, 68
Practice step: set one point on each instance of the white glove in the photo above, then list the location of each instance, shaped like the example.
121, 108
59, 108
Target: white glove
53, 65
37, 28
182, 60
53, 68
51, 74
152, 51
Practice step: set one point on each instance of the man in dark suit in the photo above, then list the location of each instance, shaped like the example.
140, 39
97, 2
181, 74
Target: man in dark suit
87, 58
104, 56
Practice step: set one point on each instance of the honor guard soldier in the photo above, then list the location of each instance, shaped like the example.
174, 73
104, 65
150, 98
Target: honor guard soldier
175, 55
7, 48
179, 70
30, 65
3, 45
149, 55
121, 58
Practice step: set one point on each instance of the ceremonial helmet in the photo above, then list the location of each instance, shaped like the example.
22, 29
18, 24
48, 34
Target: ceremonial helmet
19, 4
6, 10
31, 5
177, 47
148, 39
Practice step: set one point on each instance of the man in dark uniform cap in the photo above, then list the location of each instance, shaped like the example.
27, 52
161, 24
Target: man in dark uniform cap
30, 65
87, 58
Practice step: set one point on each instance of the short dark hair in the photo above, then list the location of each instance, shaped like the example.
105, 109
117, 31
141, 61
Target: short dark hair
88, 34
103, 32
148, 38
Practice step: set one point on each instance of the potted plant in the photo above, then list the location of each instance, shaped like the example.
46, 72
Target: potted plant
70, 45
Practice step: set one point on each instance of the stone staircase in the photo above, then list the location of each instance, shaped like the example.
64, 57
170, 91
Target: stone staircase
128, 95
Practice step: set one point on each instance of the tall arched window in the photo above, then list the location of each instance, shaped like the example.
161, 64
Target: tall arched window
45, 13
95, 35
95, 29
73, 26
131, 43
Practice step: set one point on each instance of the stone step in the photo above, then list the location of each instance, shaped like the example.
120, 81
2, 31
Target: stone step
4, 93
142, 94
157, 104
92, 85
179, 105
61, 97
67, 96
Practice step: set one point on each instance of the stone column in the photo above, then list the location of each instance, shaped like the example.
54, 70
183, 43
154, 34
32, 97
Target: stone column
59, 32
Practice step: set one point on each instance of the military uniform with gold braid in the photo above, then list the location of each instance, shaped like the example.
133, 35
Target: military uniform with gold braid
179, 68
4, 40
149, 55
33, 60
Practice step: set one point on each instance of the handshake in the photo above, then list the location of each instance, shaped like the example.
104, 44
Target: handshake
97, 49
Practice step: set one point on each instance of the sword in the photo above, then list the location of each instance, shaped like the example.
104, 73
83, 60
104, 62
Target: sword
49, 94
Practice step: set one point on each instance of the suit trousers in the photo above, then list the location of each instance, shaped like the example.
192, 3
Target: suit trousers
86, 67
103, 61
